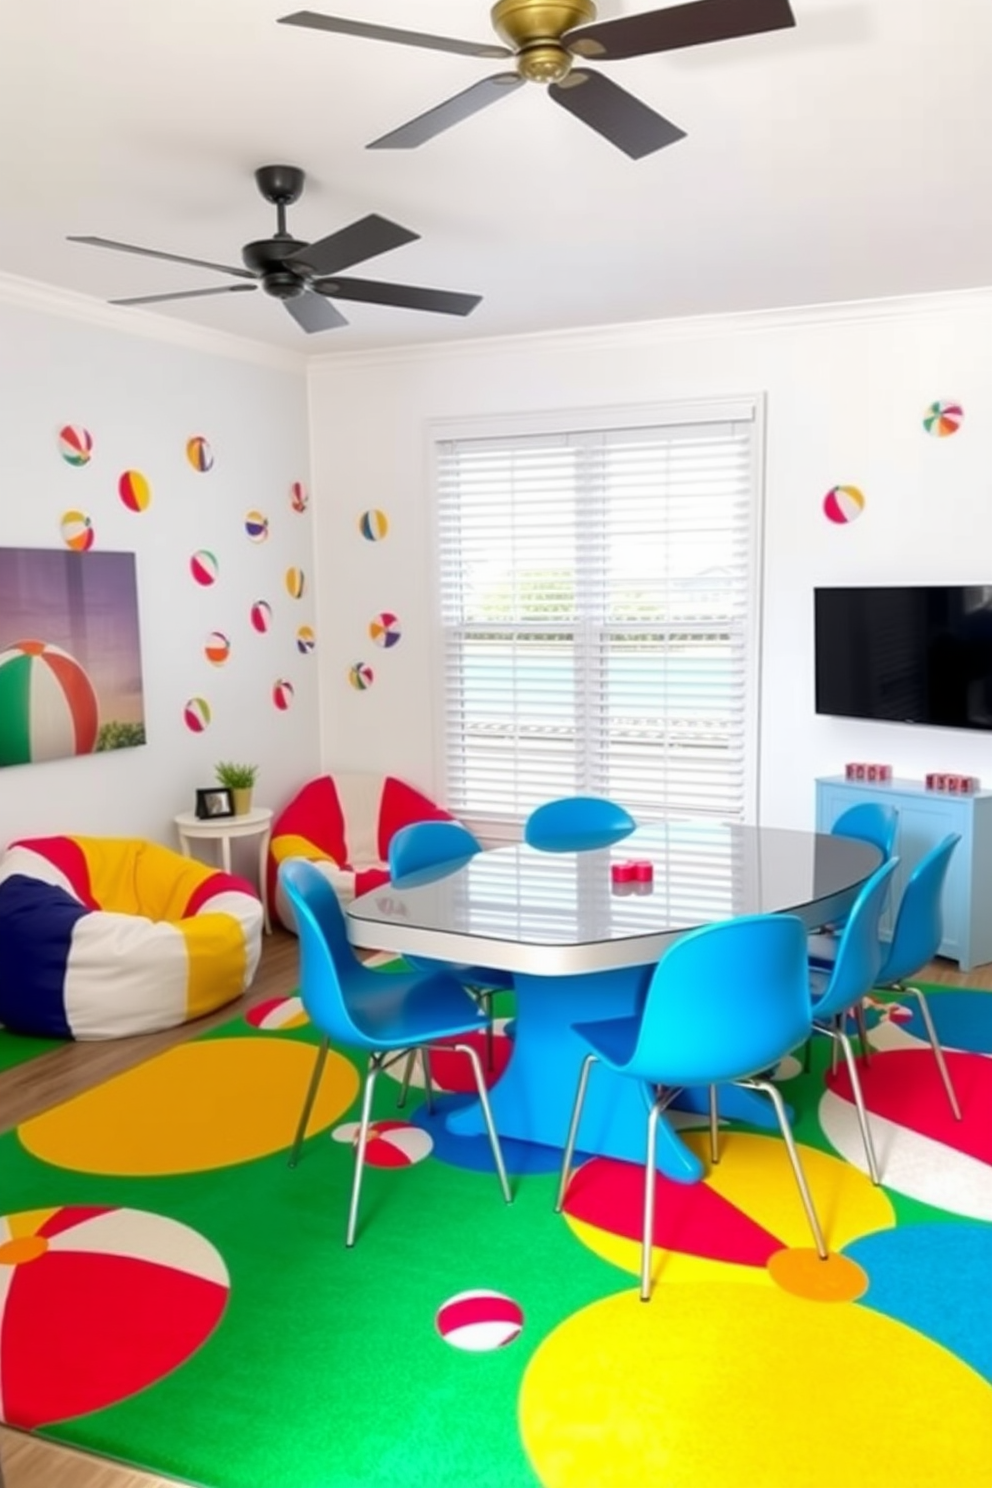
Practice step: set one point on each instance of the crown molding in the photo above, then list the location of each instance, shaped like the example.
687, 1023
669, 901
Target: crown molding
28, 294
676, 328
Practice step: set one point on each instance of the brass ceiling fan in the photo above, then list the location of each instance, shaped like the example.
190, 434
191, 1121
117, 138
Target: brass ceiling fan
545, 38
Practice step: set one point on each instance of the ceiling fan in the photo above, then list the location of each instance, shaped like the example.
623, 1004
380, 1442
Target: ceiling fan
305, 275
544, 38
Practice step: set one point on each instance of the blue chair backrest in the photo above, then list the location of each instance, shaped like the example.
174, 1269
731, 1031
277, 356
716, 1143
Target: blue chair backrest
919, 926
869, 822
575, 823
724, 1001
327, 959
428, 844
860, 951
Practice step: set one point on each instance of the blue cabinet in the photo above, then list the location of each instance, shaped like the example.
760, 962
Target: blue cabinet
925, 818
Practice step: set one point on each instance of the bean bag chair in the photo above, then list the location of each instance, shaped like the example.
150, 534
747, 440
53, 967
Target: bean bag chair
344, 824
101, 937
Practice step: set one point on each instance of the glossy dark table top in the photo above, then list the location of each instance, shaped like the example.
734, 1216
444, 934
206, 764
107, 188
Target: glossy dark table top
560, 914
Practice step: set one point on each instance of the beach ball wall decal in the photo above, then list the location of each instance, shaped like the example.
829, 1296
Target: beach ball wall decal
296, 582
261, 616
162, 1290
217, 647
373, 524
479, 1321
199, 454
204, 567
196, 715
77, 531
305, 640
299, 498
282, 694
49, 704
360, 676
942, 419
843, 504
257, 526
75, 444
134, 490
385, 629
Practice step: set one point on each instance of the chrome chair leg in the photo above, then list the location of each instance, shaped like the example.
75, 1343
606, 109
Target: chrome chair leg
650, 1176
311, 1096
714, 1127
797, 1168
859, 1018
428, 1082
487, 1007
363, 1136
407, 1076
938, 1052
494, 1142
573, 1129
840, 1037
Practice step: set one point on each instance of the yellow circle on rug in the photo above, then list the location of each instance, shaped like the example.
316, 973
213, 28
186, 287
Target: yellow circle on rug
199, 1106
724, 1385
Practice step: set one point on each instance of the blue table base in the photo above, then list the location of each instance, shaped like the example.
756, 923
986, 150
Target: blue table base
532, 1101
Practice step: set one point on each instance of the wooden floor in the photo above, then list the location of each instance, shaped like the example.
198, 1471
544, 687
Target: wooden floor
53, 1077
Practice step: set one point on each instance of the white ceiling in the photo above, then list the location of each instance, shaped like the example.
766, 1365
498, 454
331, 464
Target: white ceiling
845, 159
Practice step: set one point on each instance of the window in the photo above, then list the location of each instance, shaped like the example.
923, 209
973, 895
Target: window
598, 608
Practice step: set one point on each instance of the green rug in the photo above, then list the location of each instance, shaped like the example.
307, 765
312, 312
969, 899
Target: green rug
209, 1324
18, 1048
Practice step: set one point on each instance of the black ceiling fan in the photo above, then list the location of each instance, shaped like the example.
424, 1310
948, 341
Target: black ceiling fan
305, 275
544, 38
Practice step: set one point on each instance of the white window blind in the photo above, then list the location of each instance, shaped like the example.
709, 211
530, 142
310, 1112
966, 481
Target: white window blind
597, 610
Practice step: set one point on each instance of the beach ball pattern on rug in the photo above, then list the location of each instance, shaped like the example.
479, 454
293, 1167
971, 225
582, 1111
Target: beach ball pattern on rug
278, 1013
373, 525
384, 630
134, 490
196, 714
77, 531
391, 1144
923, 1151
479, 1321
942, 419
193, 1109
75, 444
204, 567
199, 454
97, 1303
843, 504
48, 705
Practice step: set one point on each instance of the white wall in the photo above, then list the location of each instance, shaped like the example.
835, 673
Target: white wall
846, 389
141, 399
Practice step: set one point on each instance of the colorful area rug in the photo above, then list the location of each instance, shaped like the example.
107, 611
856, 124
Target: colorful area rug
18, 1048
173, 1295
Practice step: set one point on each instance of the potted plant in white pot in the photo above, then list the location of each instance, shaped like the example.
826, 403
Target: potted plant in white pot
239, 780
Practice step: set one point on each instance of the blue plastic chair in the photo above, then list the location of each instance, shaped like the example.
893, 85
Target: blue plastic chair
364, 1009
840, 988
576, 823
916, 938
868, 821
725, 1004
426, 850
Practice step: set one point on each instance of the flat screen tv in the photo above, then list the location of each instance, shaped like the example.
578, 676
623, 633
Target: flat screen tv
919, 654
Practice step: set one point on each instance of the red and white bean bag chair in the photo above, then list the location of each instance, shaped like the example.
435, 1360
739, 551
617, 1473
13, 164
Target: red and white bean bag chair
344, 823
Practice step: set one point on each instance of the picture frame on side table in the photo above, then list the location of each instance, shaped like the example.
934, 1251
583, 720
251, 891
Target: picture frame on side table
214, 802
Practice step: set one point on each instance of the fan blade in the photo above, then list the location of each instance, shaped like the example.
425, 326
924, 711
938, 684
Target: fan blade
314, 314
680, 26
614, 113
452, 111
185, 294
366, 238
403, 296
387, 33
196, 263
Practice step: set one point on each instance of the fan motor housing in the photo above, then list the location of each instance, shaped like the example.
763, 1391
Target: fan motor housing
521, 23
268, 257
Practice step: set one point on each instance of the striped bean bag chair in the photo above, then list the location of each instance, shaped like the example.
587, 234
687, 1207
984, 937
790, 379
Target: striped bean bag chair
344, 823
101, 937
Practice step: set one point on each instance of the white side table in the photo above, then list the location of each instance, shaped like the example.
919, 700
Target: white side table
254, 823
